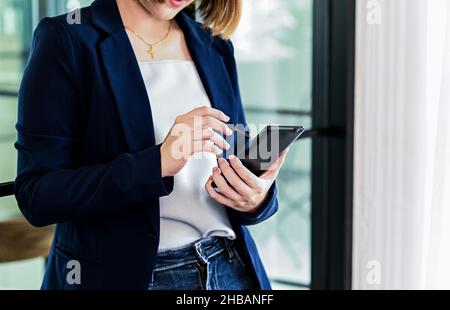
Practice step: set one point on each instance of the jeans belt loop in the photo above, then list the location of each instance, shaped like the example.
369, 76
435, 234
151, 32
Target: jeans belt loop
152, 280
229, 247
200, 254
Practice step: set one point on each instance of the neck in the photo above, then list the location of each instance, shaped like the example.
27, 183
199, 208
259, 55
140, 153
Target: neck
137, 17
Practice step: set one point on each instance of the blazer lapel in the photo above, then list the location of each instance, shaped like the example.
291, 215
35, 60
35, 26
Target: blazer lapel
129, 91
126, 81
124, 76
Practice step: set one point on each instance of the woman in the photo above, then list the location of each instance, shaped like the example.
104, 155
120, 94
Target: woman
104, 107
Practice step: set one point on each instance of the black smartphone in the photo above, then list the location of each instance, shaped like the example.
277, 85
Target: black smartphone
263, 150
267, 147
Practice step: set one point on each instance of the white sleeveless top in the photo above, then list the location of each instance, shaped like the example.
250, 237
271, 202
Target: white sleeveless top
188, 214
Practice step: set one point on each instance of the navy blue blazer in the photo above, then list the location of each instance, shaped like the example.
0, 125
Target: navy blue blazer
87, 158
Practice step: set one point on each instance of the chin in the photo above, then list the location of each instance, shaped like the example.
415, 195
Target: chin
166, 10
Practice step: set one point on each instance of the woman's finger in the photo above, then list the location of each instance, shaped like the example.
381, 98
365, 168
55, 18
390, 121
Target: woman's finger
279, 162
234, 179
198, 120
246, 175
224, 187
214, 123
205, 146
208, 111
218, 196
274, 169
211, 135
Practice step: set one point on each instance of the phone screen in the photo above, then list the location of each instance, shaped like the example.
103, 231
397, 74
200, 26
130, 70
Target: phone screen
265, 149
261, 152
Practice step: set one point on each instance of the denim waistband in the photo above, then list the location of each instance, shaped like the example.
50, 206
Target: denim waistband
202, 250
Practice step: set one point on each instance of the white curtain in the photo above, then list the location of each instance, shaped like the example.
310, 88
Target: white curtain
401, 237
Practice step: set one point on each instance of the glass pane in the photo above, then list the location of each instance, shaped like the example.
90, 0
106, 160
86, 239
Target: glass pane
274, 49
284, 240
15, 33
8, 117
274, 52
15, 39
56, 7
23, 275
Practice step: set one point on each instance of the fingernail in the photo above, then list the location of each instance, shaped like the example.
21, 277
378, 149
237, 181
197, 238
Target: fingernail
229, 132
221, 161
232, 157
227, 145
219, 151
226, 117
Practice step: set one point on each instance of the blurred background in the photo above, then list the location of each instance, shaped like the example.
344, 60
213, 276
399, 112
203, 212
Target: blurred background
365, 193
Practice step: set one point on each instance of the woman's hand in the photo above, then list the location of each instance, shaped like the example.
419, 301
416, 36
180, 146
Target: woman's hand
244, 191
193, 133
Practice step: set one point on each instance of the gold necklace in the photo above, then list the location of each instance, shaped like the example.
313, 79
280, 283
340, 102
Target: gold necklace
151, 46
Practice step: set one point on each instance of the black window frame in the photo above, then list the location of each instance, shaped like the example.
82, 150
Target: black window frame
333, 111
332, 136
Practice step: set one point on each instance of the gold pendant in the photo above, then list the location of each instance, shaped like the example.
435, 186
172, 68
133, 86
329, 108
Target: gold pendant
151, 51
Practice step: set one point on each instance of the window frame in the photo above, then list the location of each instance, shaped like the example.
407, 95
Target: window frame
333, 112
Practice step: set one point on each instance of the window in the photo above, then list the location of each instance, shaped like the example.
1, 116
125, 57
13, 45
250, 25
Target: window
15, 36
274, 53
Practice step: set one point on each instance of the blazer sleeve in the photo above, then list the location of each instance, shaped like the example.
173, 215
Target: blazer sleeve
49, 188
270, 206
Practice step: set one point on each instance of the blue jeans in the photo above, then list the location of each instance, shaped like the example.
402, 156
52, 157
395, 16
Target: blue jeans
209, 264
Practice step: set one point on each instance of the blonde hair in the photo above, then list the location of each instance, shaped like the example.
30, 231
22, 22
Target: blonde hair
222, 17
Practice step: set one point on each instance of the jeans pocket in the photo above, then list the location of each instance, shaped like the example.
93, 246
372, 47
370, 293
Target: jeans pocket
183, 277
